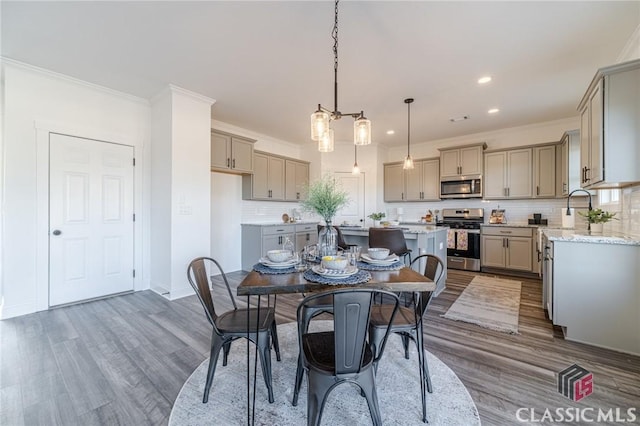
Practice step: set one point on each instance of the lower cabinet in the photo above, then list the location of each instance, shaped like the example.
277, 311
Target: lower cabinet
258, 239
508, 248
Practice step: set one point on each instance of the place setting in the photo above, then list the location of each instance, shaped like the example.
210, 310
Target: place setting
278, 262
337, 270
379, 259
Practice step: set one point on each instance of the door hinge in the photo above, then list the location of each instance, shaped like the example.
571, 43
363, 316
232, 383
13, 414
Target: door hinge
134, 273
134, 162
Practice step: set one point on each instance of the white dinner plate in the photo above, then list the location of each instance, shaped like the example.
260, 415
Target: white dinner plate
334, 273
392, 258
279, 265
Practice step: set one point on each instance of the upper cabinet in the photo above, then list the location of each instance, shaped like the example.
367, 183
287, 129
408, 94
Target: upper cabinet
568, 163
610, 128
461, 161
230, 153
422, 183
296, 179
544, 171
275, 178
508, 174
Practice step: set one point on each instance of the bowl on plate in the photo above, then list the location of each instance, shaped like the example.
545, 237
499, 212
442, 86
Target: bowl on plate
378, 253
335, 262
393, 223
278, 256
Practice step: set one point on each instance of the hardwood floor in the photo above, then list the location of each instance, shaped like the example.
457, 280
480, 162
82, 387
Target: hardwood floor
124, 359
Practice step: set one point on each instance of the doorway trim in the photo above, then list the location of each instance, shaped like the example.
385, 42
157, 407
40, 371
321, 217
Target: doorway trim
43, 129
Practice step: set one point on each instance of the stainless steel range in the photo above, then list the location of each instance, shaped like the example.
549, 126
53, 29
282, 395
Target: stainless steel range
463, 240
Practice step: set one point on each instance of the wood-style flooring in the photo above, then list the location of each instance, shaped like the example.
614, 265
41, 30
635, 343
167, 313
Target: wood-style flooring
123, 360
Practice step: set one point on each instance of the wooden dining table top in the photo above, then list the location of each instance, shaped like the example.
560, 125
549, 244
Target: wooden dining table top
405, 279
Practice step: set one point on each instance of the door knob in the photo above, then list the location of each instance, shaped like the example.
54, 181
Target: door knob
57, 232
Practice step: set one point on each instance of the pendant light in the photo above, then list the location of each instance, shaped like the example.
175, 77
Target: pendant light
408, 162
322, 117
356, 169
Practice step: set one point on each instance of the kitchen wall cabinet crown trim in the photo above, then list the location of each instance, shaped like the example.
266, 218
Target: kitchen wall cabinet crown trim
610, 128
231, 153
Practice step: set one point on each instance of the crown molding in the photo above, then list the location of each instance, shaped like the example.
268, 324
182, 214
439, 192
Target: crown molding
171, 89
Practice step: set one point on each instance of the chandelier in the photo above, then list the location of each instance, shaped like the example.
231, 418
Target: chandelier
321, 119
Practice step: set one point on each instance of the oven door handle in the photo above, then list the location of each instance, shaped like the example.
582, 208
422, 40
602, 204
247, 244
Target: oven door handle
469, 231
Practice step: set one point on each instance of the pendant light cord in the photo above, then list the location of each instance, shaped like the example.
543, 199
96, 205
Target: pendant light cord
334, 35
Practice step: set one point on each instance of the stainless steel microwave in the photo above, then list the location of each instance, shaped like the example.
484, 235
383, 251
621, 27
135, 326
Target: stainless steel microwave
461, 188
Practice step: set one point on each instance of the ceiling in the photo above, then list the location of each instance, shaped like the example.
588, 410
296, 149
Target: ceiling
268, 64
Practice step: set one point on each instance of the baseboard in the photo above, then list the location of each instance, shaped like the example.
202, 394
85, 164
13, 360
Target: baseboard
510, 272
11, 311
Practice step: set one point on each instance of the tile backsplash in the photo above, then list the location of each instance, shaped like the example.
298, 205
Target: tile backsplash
626, 203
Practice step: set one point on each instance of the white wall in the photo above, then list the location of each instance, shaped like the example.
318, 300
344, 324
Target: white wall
37, 101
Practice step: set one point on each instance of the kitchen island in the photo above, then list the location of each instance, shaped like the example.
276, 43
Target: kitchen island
421, 239
592, 287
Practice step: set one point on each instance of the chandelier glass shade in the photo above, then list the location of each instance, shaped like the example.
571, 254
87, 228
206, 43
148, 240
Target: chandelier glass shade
321, 119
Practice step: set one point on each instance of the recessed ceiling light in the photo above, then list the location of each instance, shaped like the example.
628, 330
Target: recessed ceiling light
391, 132
493, 111
456, 119
484, 80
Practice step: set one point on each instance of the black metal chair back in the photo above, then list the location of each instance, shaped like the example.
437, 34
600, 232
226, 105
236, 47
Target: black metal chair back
392, 239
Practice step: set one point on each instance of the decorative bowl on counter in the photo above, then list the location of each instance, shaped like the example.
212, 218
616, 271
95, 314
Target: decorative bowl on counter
335, 262
278, 256
378, 253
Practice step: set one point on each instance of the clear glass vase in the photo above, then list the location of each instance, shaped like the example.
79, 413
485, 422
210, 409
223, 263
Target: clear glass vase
328, 240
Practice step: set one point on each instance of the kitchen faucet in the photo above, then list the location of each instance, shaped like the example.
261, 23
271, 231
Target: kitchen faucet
569, 198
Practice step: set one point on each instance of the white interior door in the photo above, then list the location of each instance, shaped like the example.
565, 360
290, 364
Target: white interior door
353, 213
90, 219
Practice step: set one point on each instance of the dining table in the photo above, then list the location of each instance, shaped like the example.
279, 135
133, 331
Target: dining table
401, 279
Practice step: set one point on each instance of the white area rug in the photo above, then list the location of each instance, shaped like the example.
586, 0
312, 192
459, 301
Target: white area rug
398, 391
489, 302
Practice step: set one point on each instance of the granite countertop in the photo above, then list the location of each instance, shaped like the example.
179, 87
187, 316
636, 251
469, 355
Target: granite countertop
276, 223
515, 225
411, 229
584, 236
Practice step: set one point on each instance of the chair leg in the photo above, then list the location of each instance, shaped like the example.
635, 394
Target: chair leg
216, 345
298, 383
274, 339
264, 349
405, 344
367, 385
225, 355
319, 386
425, 366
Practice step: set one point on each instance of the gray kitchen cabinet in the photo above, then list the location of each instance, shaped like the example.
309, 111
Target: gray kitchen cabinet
267, 180
296, 178
508, 248
610, 128
422, 183
462, 161
230, 153
544, 171
508, 174
568, 163
258, 239
306, 234
594, 304
393, 182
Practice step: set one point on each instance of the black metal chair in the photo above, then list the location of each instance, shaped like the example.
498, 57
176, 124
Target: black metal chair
234, 324
343, 355
408, 324
392, 239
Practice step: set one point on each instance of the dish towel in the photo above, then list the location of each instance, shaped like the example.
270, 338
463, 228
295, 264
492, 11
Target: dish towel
462, 240
451, 239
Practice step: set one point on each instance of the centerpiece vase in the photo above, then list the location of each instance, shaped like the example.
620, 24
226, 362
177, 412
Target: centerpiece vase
328, 240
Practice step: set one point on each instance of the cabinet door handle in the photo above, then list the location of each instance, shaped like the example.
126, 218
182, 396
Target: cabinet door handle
507, 242
587, 175
228, 162
402, 196
537, 190
504, 232
297, 195
508, 191
503, 243
233, 165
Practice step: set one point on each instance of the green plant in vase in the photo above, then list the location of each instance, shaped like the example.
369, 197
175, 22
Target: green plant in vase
376, 217
597, 218
325, 197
